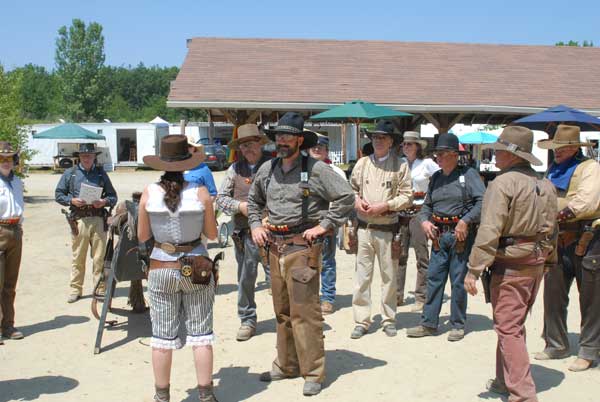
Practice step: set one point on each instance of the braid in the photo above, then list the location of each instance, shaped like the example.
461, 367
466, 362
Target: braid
172, 183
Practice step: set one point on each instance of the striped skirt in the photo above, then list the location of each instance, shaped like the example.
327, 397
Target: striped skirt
174, 298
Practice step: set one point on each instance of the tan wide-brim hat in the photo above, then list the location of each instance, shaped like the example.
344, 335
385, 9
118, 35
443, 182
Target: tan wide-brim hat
6, 149
566, 135
174, 155
248, 132
517, 140
414, 137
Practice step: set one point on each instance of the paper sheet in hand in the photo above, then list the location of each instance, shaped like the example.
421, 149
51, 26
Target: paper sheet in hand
90, 193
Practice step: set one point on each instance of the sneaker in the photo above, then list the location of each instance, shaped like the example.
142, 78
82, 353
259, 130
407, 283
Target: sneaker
495, 386
417, 307
551, 354
206, 393
420, 331
161, 394
456, 334
390, 329
326, 308
580, 364
245, 332
12, 333
73, 298
311, 388
358, 332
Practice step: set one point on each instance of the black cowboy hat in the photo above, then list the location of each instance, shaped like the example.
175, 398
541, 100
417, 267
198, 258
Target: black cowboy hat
174, 155
386, 127
293, 123
87, 148
447, 142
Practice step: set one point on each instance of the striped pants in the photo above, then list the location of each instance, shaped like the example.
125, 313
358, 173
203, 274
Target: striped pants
174, 297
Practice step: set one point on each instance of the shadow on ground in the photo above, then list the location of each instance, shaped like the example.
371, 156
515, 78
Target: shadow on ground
545, 379
30, 389
135, 326
238, 384
60, 321
37, 199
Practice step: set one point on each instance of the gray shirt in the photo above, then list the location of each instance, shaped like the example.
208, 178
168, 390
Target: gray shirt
283, 198
447, 196
70, 183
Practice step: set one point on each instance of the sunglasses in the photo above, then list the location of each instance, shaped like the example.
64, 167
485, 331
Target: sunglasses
4, 159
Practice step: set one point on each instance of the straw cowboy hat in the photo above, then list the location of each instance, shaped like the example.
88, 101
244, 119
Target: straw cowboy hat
174, 155
293, 123
565, 136
414, 137
248, 132
87, 148
6, 149
517, 140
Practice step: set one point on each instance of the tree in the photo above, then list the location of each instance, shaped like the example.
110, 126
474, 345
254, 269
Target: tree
11, 122
575, 43
79, 59
38, 92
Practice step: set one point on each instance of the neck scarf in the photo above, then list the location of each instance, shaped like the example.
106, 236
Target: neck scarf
560, 173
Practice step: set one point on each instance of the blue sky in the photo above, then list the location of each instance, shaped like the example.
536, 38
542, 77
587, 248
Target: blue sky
155, 32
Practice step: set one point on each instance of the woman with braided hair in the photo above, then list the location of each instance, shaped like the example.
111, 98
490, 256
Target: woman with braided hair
173, 215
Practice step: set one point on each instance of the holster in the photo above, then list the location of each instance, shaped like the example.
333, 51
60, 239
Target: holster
459, 246
584, 241
435, 244
202, 268
238, 239
591, 260
71, 221
566, 238
486, 281
351, 237
263, 252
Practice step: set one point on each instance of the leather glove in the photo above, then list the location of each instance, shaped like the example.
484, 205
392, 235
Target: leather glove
565, 214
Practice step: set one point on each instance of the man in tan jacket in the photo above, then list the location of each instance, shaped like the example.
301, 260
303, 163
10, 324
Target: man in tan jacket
577, 180
382, 186
515, 240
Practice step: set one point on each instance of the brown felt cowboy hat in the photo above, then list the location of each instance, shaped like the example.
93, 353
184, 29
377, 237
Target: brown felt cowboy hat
517, 140
174, 155
414, 137
6, 149
565, 136
246, 133
293, 123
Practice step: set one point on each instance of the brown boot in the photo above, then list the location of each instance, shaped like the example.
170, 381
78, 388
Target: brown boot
162, 394
206, 393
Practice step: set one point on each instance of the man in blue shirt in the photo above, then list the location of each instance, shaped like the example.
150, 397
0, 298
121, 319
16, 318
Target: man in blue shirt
201, 174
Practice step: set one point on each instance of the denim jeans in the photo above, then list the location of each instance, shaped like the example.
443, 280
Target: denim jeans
328, 275
443, 263
247, 261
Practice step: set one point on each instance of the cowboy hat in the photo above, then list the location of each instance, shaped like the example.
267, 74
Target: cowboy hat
248, 132
6, 149
517, 140
293, 123
447, 142
87, 148
414, 137
174, 155
565, 136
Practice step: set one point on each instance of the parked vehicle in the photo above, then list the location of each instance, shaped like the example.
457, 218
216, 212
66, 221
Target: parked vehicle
216, 157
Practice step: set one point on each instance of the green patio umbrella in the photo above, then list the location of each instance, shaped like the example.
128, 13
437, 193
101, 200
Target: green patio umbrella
357, 111
69, 131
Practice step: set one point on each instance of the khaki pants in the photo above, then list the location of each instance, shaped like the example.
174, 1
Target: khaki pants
371, 244
11, 244
295, 285
91, 233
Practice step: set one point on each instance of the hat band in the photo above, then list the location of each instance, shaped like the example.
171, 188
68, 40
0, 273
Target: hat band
511, 147
287, 128
176, 158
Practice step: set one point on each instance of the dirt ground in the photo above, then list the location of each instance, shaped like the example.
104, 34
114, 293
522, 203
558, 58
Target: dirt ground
55, 362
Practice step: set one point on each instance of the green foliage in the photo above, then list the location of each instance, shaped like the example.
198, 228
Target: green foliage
575, 43
38, 92
11, 121
79, 59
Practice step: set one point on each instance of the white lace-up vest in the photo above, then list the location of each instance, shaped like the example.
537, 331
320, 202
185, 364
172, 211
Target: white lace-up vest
182, 226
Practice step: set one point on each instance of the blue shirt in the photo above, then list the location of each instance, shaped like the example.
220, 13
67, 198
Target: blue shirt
70, 183
202, 176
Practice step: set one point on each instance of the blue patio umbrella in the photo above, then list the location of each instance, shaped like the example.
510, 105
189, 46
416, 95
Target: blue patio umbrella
477, 137
549, 119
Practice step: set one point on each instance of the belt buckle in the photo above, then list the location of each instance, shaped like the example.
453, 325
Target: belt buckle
168, 248
186, 270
